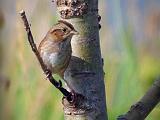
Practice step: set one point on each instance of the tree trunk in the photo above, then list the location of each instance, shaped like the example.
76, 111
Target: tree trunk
85, 73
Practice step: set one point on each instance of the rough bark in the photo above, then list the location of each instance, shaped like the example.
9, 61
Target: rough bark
141, 109
85, 73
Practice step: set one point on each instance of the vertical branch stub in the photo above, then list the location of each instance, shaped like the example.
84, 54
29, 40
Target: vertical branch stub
22, 14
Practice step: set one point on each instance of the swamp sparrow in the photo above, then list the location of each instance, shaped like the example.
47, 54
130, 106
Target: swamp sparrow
55, 48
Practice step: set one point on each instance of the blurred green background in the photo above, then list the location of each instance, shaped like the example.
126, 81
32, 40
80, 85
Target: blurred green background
130, 44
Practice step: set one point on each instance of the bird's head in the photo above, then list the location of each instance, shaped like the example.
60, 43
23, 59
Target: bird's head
62, 31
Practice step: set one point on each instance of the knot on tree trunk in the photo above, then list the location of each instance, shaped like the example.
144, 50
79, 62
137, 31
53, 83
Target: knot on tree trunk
73, 8
78, 106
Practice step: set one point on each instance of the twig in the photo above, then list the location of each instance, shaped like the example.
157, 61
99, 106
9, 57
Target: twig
47, 72
141, 109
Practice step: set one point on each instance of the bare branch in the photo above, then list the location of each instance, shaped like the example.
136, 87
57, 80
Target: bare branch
141, 109
47, 72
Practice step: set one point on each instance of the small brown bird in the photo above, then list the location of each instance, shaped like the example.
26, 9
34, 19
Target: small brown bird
55, 48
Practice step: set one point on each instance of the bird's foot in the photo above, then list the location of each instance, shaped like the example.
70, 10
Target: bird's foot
47, 73
60, 83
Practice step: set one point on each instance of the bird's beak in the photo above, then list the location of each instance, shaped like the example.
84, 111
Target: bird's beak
74, 32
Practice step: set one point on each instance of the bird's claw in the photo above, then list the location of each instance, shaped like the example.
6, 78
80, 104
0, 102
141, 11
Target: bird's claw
60, 83
47, 73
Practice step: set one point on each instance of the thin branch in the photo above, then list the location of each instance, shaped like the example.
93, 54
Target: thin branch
47, 72
141, 109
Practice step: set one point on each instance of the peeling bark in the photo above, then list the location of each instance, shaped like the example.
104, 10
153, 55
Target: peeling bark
85, 73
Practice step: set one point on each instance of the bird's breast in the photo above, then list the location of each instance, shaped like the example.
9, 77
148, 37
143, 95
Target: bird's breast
56, 56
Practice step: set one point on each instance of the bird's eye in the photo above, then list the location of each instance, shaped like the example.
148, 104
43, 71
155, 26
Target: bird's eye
64, 29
